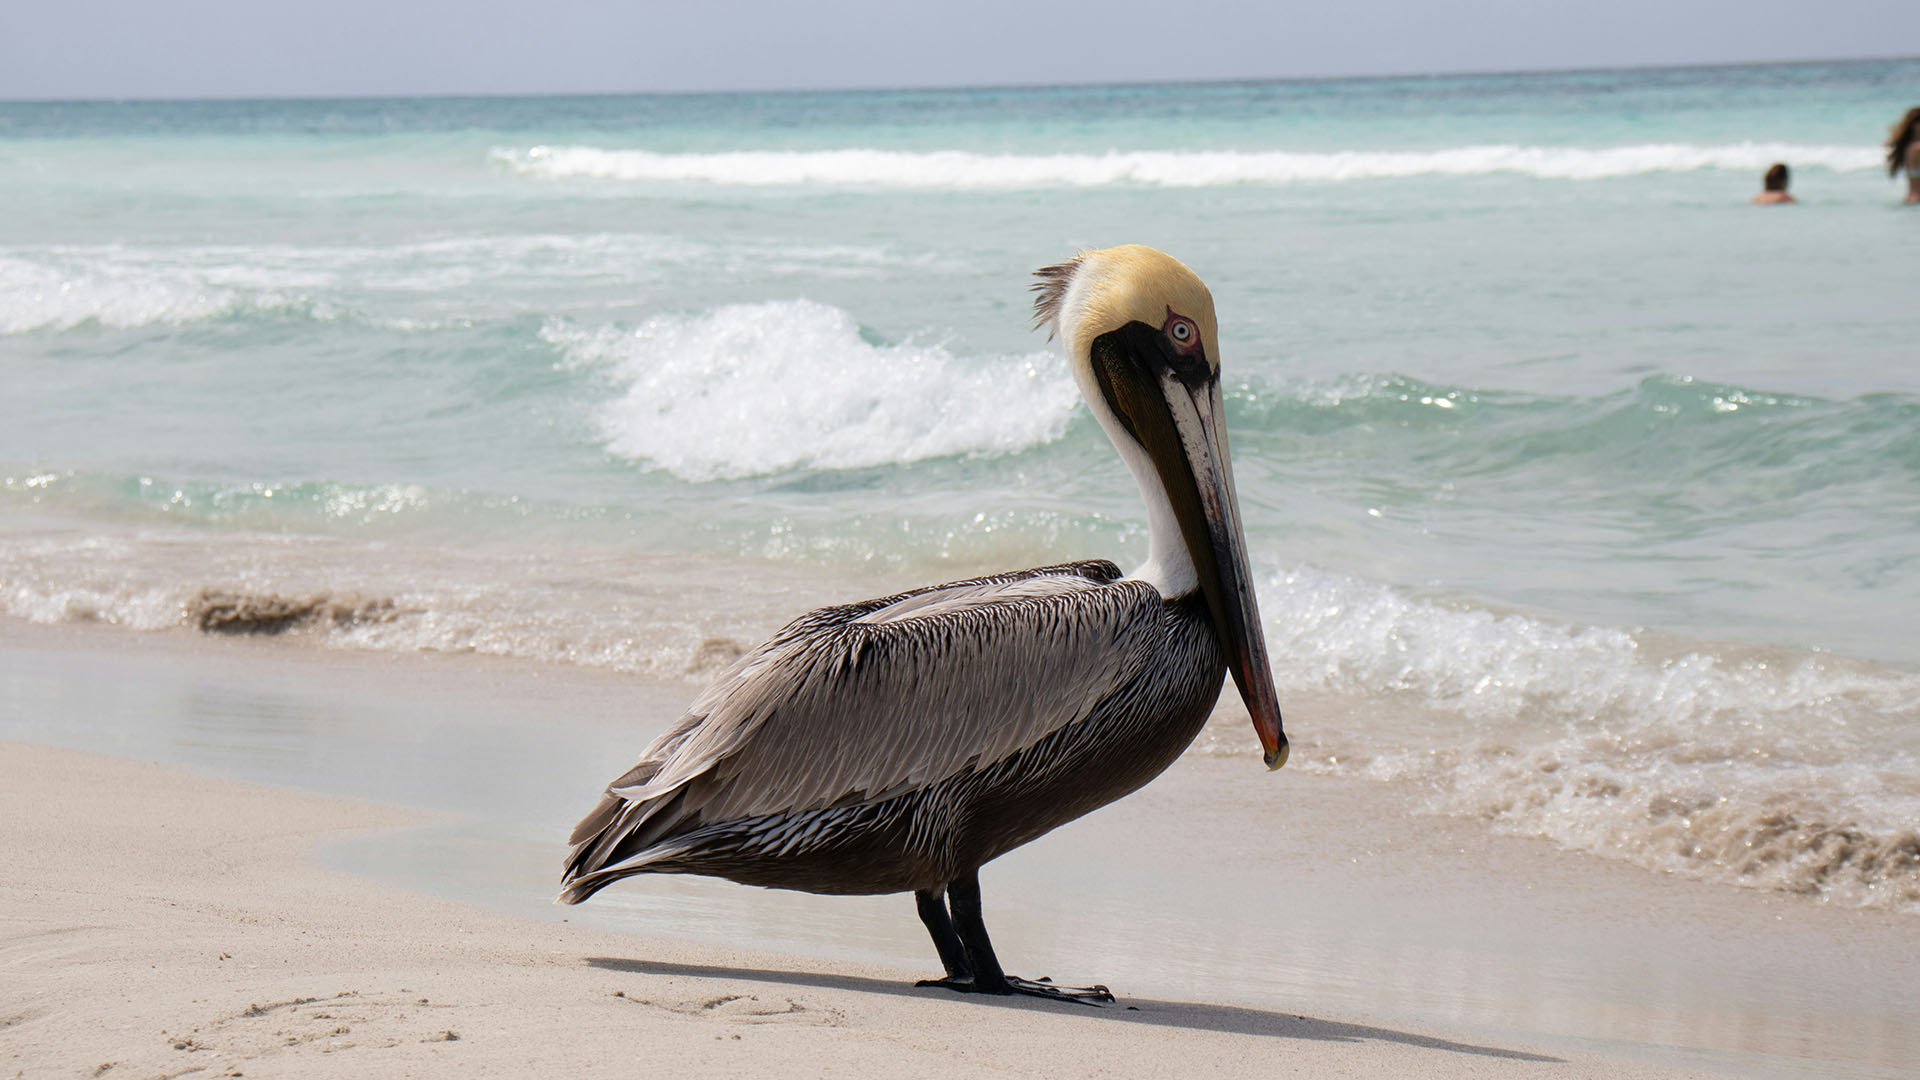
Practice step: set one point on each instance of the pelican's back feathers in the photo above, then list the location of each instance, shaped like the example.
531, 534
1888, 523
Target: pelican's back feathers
854, 704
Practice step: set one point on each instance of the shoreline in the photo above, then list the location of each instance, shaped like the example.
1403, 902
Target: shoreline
1287, 901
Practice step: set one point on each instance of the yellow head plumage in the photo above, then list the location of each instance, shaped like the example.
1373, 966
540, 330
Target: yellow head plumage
1105, 289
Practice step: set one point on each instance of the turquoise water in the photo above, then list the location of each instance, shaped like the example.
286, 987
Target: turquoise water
1580, 490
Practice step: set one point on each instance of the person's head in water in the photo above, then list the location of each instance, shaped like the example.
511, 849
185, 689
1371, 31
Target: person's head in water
1774, 185
1903, 151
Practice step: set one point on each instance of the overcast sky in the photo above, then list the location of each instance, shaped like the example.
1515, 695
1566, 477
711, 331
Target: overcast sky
277, 48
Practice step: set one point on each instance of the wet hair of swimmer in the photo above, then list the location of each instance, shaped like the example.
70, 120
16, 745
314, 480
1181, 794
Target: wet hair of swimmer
1776, 179
1903, 135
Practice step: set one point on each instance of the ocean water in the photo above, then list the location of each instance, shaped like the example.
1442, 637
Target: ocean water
1582, 494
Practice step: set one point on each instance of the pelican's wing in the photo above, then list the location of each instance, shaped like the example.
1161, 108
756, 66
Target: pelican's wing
853, 704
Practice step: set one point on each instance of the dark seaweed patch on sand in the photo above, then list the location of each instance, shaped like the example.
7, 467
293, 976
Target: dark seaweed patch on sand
217, 611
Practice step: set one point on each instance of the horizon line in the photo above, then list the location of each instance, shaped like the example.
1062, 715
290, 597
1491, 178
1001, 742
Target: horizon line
936, 88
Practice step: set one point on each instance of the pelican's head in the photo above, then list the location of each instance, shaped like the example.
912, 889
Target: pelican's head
1140, 334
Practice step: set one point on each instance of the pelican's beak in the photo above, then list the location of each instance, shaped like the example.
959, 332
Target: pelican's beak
1172, 406
1218, 545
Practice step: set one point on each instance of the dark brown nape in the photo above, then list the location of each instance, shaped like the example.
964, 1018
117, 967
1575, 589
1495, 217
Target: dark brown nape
1776, 178
1903, 135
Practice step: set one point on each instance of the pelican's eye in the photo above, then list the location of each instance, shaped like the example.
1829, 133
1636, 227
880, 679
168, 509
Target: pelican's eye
1182, 333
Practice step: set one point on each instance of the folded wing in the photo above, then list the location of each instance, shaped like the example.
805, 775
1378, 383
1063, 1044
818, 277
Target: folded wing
858, 703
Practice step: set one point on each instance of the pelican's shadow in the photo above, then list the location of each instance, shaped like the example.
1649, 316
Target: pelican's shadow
1227, 1019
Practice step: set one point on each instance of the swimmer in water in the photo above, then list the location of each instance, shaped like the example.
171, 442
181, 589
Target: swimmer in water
1774, 187
1903, 152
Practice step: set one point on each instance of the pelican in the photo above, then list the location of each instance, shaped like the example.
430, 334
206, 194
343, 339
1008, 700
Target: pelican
899, 744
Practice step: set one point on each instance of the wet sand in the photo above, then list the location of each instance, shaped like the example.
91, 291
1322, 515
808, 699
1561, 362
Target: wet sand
1306, 923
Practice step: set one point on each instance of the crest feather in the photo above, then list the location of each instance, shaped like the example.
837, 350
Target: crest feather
1052, 290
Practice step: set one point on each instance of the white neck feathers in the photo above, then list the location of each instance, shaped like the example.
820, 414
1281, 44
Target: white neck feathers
1169, 567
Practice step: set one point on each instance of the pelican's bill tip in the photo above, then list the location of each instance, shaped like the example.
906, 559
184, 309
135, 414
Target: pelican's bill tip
1277, 756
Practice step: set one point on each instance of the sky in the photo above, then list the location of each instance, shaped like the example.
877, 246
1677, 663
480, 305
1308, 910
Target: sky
306, 48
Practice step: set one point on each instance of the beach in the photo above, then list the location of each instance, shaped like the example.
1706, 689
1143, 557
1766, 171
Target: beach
158, 895
221, 950
379, 475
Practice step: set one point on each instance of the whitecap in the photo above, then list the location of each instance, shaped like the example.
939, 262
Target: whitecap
40, 296
752, 389
62, 287
1159, 168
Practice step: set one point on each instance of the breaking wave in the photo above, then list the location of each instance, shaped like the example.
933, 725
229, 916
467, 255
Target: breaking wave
753, 389
663, 617
62, 287
54, 294
1769, 768
1159, 168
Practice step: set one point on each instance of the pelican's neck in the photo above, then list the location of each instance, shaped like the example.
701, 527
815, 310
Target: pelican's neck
1169, 567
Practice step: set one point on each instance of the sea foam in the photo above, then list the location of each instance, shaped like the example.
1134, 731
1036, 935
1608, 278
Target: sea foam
664, 616
1159, 168
118, 286
115, 292
752, 389
1761, 767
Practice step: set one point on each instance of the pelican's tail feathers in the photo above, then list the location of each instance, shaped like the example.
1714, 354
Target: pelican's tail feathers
582, 881
580, 889
614, 840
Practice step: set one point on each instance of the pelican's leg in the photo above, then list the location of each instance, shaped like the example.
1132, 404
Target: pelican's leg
953, 955
988, 978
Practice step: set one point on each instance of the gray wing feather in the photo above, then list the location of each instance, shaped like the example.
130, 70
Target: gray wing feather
852, 704
854, 710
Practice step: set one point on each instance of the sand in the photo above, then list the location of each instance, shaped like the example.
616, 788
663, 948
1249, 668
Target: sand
159, 921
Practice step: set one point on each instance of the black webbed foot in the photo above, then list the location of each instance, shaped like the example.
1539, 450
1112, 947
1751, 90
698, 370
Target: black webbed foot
1013, 984
1044, 987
